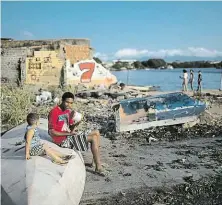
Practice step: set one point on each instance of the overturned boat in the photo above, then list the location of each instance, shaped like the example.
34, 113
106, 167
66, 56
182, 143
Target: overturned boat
38, 181
159, 110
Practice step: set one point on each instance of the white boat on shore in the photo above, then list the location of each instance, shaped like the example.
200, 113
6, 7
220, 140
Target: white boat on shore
170, 67
38, 181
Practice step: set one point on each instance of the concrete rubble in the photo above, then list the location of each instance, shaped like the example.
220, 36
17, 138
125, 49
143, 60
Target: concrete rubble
43, 97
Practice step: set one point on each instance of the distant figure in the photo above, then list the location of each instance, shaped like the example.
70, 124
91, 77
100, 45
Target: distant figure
185, 80
122, 86
117, 86
199, 81
191, 79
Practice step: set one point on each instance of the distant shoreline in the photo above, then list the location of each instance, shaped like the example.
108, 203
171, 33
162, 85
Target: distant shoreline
131, 69
158, 64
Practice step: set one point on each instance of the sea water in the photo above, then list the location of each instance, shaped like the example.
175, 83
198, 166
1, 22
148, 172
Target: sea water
169, 80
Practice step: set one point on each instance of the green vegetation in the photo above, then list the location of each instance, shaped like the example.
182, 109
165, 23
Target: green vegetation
97, 60
138, 64
119, 65
196, 64
17, 102
154, 63
160, 63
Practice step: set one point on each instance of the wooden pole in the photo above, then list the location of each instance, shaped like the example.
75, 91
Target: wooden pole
221, 80
127, 82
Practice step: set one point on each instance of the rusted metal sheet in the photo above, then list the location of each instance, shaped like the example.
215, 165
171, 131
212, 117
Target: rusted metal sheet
160, 110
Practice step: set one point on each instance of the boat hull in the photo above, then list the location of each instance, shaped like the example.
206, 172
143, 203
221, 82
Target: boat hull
160, 110
38, 181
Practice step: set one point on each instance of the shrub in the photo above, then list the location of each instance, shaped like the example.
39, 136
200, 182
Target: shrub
16, 104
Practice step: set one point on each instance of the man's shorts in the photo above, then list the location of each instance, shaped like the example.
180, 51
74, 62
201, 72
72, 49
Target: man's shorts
37, 150
77, 142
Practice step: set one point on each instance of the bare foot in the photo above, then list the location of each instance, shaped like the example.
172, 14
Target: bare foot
100, 172
68, 157
59, 161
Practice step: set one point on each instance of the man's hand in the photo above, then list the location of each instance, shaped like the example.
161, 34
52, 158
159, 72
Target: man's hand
72, 114
73, 131
27, 156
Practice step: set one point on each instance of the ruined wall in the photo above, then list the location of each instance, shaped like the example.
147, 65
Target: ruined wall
53, 42
43, 68
76, 53
88, 72
42, 62
13, 64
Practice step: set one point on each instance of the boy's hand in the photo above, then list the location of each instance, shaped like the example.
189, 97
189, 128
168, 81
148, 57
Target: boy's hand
27, 156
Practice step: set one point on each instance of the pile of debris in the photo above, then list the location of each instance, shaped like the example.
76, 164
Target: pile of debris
105, 120
96, 107
117, 92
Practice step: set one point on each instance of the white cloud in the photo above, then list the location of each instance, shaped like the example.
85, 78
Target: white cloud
27, 34
101, 56
191, 52
129, 52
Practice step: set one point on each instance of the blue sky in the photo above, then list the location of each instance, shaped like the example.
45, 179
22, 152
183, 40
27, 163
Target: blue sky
123, 30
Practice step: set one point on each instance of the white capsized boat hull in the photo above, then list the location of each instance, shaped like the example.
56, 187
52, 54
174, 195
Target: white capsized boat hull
38, 181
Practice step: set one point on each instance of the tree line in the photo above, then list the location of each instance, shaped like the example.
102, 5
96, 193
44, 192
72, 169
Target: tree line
161, 63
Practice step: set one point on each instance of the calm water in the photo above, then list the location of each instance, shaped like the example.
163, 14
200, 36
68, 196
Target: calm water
169, 80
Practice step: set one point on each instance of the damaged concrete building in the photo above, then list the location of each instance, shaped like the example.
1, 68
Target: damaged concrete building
51, 62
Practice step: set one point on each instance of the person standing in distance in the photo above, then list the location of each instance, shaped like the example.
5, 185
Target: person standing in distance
199, 81
191, 79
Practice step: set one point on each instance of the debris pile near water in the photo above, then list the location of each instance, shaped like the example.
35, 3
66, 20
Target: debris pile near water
99, 115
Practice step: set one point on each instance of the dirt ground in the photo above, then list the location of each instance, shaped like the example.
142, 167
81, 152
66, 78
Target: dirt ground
183, 167
181, 157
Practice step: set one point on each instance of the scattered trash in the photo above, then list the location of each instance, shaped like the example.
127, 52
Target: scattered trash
44, 97
152, 139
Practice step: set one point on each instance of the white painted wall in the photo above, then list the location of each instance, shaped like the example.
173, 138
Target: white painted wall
88, 72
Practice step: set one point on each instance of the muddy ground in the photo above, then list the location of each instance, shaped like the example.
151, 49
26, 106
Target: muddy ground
183, 167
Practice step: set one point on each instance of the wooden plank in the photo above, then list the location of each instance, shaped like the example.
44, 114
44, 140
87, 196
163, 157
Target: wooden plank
123, 128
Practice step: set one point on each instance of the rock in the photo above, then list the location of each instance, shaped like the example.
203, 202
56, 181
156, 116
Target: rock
120, 98
127, 174
188, 178
152, 139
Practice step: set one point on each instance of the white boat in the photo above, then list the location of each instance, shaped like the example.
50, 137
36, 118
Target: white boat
170, 67
143, 88
38, 181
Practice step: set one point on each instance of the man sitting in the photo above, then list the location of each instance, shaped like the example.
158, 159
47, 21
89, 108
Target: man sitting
61, 127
